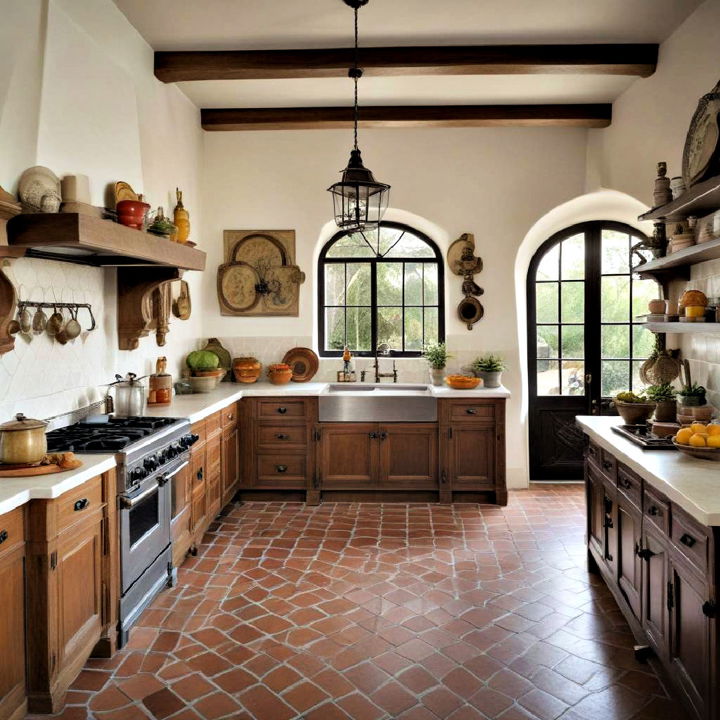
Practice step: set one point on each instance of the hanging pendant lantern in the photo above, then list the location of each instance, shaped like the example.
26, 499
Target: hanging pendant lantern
359, 201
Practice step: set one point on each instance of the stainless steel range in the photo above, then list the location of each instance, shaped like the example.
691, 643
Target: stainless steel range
149, 452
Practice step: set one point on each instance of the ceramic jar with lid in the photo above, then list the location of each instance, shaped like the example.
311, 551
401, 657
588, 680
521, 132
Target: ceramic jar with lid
246, 369
279, 373
22, 441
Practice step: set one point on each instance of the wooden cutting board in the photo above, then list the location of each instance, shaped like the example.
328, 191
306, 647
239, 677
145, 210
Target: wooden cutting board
48, 469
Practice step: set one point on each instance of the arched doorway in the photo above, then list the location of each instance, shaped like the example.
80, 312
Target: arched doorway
585, 341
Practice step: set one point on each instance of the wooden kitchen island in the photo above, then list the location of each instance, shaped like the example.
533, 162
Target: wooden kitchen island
653, 524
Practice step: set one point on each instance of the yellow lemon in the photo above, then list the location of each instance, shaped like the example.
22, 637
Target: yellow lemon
714, 441
683, 435
698, 440
713, 429
698, 427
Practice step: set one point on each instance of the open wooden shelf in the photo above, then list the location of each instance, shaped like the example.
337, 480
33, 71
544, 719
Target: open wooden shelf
683, 328
700, 199
678, 263
88, 240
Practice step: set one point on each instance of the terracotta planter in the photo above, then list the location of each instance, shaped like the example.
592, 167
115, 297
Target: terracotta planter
634, 413
246, 369
666, 411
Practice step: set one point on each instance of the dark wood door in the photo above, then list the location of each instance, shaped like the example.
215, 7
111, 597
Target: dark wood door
584, 340
654, 606
692, 630
471, 456
596, 511
349, 456
230, 464
629, 563
409, 456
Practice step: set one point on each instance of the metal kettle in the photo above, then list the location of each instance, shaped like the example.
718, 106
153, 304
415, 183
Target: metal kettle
130, 396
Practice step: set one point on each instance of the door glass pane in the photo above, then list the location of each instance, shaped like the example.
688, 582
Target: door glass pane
389, 327
358, 328
549, 265
548, 377
413, 329
643, 291
573, 302
615, 252
389, 283
615, 299
643, 342
615, 341
547, 341
615, 377
546, 299
430, 284
431, 325
334, 328
413, 284
335, 284
573, 258
573, 374
358, 284
573, 341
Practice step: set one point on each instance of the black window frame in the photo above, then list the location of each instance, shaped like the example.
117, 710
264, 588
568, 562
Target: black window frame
323, 260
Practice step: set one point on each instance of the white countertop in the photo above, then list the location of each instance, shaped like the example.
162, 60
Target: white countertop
692, 483
17, 491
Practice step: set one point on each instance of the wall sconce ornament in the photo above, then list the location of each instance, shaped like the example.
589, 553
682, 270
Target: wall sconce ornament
462, 261
259, 276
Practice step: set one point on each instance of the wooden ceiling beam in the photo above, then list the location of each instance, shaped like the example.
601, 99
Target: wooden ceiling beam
400, 116
602, 59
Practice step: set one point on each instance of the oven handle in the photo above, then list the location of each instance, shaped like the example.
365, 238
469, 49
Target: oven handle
169, 476
127, 503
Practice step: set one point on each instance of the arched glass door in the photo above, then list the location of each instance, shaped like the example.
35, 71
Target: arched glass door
585, 340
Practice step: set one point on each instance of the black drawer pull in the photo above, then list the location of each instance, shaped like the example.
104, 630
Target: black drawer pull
688, 540
281, 468
471, 411
372, 435
624, 483
81, 504
282, 436
645, 553
607, 465
709, 608
654, 511
199, 474
282, 410
3, 536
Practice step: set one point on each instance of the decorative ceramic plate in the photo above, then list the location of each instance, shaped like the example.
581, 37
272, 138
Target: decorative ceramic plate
304, 363
701, 143
236, 286
123, 191
459, 265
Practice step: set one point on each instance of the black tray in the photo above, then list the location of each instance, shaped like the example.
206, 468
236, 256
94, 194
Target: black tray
643, 437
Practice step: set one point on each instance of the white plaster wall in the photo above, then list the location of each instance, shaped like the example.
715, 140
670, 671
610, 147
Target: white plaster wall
86, 101
492, 182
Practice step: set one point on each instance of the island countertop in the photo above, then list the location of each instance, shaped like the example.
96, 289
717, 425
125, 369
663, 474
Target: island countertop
691, 483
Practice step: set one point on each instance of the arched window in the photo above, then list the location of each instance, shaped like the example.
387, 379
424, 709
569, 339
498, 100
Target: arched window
380, 288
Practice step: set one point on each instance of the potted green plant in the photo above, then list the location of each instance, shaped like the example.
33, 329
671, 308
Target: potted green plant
436, 356
664, 397
692, 395
489, 368
634, 409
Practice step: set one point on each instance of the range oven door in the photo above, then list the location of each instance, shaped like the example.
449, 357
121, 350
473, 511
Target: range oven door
144, 525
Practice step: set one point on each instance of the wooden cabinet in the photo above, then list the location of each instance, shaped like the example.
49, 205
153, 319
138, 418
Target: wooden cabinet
13, 704
213, 473
472, 450
409, 456
182, 538
660, 565
71, 587
230, 464
349, 456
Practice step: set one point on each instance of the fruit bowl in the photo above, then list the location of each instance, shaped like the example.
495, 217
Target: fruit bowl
704, 453
462, 382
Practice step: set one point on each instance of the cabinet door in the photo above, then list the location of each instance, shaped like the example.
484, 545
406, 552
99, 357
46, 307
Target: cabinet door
471, 461
629, 564
79, 591
198, 500
610, 537
230, 464
181, 511
408, 456
654, 591
595, 510
12, 628
349, 456
692, 630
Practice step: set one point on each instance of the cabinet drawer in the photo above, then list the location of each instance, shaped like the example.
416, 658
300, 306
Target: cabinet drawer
691, 539
594, 454
198, 469
213, 424
200, 430
630, 485
77, 504
279, 436
281, 468
229, 416
12, 530
295, 409
213, 452
466, 411
656, 510
608, 464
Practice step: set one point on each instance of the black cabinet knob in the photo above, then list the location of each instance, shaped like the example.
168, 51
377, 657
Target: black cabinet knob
281, 468
471, 411
282, 410
652, 510
3, 536
81, 504
282, 436
688, 540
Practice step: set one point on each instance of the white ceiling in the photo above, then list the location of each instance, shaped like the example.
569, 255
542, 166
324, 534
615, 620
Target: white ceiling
284, 24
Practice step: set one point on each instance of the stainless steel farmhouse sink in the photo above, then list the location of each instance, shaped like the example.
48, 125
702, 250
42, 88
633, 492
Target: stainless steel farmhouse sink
377, 403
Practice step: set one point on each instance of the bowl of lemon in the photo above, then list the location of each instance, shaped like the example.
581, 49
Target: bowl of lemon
699, 440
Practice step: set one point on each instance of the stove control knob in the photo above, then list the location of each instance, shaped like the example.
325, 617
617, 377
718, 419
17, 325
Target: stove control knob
188, 440
171, 452
162, 456
151, 463
137, 474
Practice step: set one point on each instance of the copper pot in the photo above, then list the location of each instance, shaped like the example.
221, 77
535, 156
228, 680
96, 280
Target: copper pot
22, 441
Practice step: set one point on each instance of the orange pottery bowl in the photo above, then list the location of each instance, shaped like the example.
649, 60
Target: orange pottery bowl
131, 213
246, 369
279, 373
462, 382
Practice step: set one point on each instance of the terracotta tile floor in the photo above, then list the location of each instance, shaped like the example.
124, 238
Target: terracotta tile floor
382, 611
